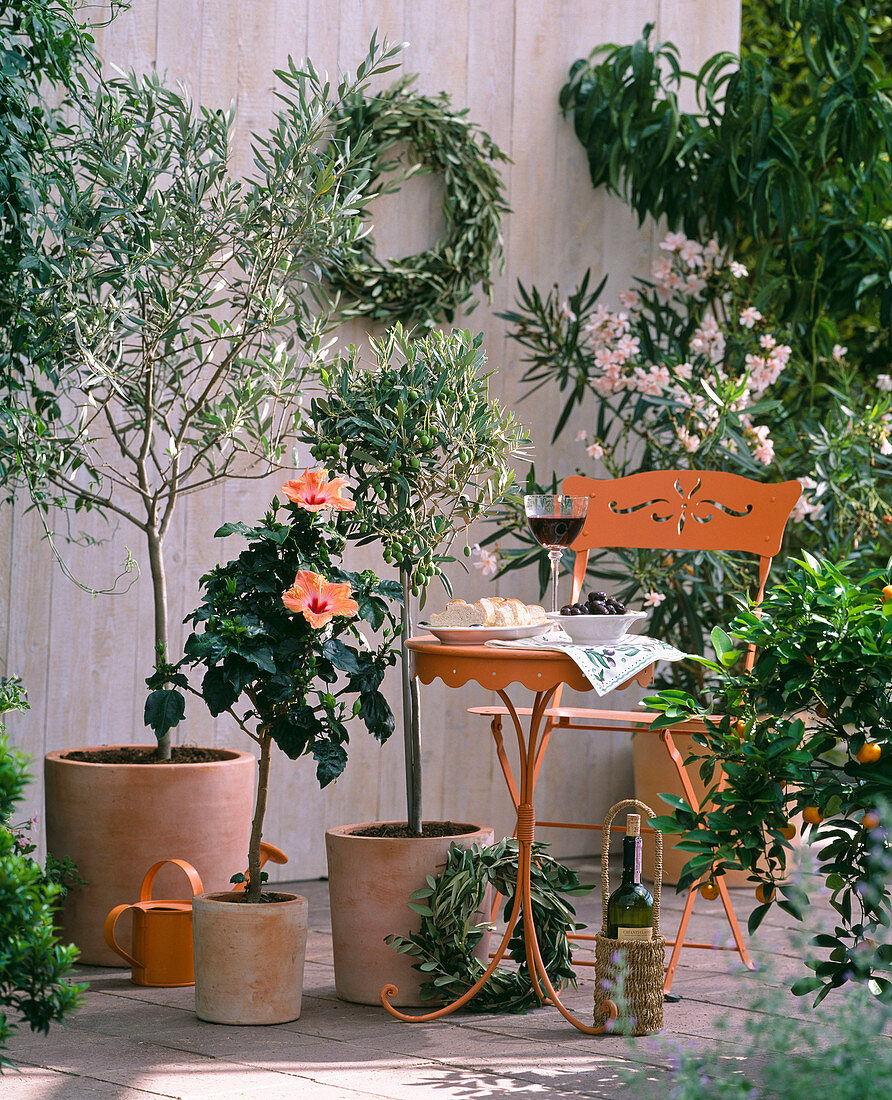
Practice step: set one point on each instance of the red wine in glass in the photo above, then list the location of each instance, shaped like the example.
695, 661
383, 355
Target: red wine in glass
555, 522
555, 532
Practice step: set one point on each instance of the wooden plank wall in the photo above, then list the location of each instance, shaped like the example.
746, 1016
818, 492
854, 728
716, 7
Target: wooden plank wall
84, 658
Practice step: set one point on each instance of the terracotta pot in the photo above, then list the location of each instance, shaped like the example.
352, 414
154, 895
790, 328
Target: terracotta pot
115, 820
369, 882
249, 959
655, 773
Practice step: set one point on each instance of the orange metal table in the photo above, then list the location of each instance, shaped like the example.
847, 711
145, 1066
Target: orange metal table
542, 673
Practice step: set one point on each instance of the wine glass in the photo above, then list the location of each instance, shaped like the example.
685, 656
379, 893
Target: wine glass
555, 522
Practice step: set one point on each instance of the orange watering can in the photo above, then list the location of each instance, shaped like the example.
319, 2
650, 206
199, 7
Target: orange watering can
162, 933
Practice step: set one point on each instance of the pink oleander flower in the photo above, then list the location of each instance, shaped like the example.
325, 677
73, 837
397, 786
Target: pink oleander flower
884, 382
673, 242
839, 352
581, 435
653, 599
595, 451
694, 285
737, 270
630, 299
691, 253
750, 316
885, 445
319, 600
804, 507
566, 314
767, 341
314, 492
764, 449
487, 562
688, 440
684, 371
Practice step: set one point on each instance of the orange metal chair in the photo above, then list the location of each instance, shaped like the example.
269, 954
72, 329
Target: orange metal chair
681, 510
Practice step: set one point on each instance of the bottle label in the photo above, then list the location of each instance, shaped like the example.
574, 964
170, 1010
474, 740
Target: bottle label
634, 935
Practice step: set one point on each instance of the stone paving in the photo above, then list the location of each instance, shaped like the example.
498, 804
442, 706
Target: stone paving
129, 1043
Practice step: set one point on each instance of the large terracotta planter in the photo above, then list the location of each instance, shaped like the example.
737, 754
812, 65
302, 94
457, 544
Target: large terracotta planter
369, 883
116, 820
249, 959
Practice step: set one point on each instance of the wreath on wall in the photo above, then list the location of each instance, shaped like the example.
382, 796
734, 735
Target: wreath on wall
428, 287
449, 906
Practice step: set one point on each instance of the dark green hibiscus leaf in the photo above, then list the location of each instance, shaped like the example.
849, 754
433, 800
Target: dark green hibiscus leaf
208, 647
295, 731
330, 761
375, 711
341, 656
218, 690
165, 708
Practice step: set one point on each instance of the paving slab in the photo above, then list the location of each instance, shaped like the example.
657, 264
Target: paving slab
132, 1043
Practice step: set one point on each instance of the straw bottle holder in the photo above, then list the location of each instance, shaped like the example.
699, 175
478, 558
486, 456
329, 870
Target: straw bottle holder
162, 933
628, 972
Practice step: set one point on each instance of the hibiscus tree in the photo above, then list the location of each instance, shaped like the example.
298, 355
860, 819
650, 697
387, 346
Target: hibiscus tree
278, 637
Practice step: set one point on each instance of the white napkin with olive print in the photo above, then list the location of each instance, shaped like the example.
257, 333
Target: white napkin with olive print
605, 666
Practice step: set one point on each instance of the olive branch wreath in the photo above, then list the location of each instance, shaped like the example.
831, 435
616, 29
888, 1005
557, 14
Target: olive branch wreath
449, 906
427, 287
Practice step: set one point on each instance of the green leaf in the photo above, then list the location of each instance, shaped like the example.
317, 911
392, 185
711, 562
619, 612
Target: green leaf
164, 709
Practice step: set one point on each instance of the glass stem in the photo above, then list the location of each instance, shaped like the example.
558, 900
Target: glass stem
554, 557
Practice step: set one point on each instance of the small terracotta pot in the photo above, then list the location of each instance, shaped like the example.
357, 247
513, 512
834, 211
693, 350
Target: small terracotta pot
369, 882
116, 820
249, 959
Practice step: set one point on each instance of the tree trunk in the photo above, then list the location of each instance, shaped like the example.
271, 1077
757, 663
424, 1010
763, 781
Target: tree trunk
255, 881
411, 715
159, 592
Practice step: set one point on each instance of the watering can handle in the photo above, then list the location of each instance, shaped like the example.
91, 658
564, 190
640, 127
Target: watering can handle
110, 921
145, 891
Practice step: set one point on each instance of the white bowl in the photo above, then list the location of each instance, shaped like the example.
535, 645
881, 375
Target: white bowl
596, 629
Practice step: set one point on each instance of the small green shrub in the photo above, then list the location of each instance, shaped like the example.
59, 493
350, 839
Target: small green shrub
33, 964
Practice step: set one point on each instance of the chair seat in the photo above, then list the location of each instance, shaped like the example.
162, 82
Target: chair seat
563, 718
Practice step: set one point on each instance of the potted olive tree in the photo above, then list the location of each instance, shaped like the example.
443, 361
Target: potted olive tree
427, 450
188, 314
278, 642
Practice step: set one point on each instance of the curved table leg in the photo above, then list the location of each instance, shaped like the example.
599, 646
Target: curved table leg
531, 747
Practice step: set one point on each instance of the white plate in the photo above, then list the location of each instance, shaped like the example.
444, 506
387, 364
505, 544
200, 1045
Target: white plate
477, 635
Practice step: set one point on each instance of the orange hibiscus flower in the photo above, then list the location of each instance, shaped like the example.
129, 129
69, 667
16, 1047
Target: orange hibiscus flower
319, 600
313, 492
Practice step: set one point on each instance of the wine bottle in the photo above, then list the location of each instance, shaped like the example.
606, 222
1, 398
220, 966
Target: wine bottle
630, 908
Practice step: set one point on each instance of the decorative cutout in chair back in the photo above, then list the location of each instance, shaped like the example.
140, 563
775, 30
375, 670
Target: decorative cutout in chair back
685, 510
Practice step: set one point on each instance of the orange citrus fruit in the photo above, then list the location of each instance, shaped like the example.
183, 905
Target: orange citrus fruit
870, 820
764, 893
739, 726
887, 593
869, 753
811, 815
788, 830
709, 890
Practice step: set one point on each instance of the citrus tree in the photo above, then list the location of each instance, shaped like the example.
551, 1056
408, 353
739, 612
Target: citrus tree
808, 730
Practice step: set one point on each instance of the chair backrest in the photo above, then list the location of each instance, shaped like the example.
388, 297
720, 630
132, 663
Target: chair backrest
683, 510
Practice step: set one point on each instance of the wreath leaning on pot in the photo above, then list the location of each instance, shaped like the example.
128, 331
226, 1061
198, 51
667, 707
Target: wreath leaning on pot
428, 287
449, 906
